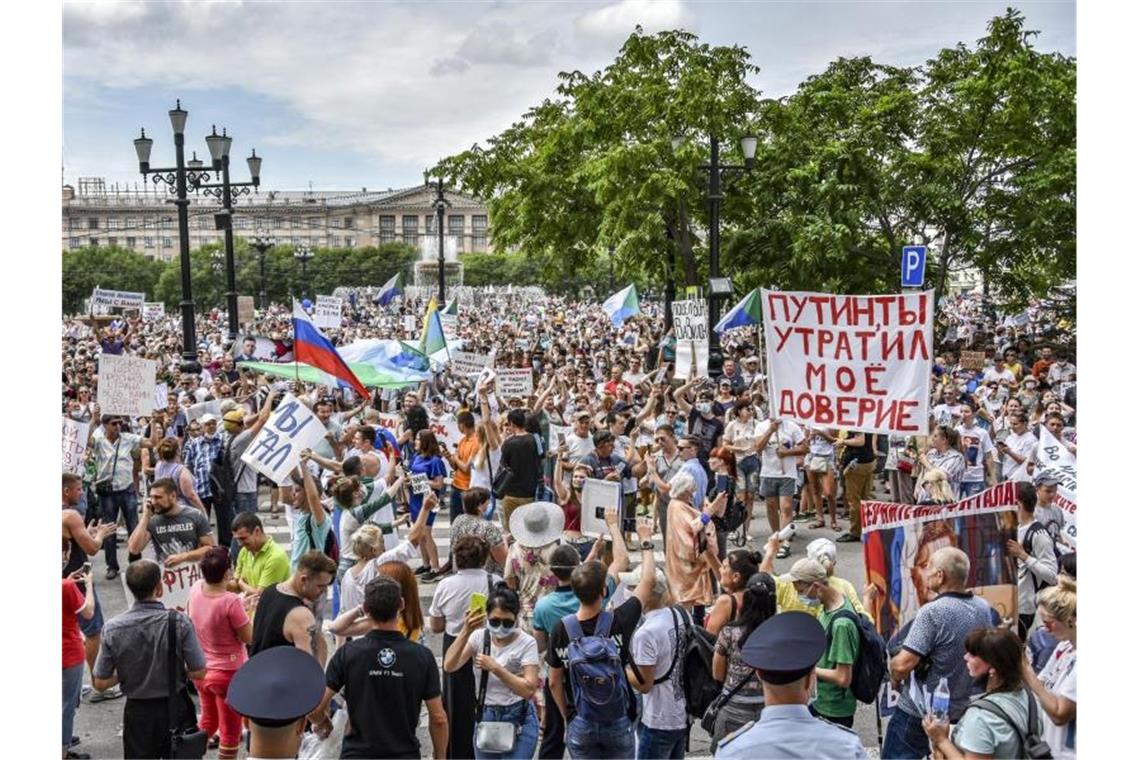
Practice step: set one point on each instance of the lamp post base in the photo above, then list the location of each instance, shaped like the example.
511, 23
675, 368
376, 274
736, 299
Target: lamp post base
190, 365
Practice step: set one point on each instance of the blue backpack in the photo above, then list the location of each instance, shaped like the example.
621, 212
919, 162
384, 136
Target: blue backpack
597, 679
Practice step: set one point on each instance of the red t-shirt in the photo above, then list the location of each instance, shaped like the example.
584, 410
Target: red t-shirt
73, 601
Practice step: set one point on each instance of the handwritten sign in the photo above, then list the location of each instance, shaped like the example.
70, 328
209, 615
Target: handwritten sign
390, 422
514, 383
450, 325
176, 583
116, 299
467, 363
328, 312
1054, 458
972, 359
126, 385
74, 445
277, 449
856, 362
161, 396
245, 309
691, 329
420, 483
153, 310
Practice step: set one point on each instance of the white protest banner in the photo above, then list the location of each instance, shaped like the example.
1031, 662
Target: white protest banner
126, 385
420, 483
467, 363
153, 310
74, 445
176, 583
161, 396
195, 411
691, 329
450, 324
855, 362
116, 299
514, 383
328, 311
1054, 458
597, 497
277, 448
245, 309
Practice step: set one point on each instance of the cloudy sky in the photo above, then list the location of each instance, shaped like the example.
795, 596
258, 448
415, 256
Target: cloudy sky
367, 94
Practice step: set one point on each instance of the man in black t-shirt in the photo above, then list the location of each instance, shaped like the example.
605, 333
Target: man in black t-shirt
588, 581
385, 678
521, 456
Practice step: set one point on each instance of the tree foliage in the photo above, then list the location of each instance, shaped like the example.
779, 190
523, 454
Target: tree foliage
110, 268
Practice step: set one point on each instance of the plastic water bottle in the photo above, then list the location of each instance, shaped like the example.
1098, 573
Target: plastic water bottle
940, 702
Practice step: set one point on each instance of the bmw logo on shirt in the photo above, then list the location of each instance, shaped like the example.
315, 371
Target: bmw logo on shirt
386, 658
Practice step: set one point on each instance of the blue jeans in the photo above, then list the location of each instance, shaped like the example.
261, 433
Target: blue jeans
72, 686
904, 738
660, 743
522, 714
243, 502
127, 503
455, 503
972, 489
587, 740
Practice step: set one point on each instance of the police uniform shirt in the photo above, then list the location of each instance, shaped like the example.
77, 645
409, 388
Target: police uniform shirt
386, 679
791, 731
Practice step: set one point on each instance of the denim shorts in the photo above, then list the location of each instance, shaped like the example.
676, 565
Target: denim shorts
748, 469
94, 626
771, 488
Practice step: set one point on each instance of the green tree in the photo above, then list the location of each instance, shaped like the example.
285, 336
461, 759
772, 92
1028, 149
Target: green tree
90, 267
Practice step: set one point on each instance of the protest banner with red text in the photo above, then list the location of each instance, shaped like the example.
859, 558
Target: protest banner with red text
854, 362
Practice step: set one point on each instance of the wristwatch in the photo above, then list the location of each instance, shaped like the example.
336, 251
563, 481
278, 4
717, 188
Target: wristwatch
647, 546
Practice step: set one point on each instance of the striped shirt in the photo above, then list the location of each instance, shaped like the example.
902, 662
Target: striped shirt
198, 454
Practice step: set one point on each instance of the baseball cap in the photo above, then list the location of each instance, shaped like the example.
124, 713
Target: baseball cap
806, 570
633, 578
234, 416
207, 418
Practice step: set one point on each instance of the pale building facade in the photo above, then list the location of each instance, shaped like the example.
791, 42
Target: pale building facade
142, 220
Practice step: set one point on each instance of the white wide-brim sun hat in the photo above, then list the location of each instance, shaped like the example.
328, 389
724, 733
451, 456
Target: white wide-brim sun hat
537, 524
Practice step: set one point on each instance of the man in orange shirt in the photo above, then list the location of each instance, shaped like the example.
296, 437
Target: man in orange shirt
460, 461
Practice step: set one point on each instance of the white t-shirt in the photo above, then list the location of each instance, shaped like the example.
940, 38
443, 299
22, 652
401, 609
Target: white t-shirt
993, 375
788, 435
976, 444
742, 433
943, 414
352, 586
1023, 445
655, 643
481, 474
578, 447
1060, 677
515, 656
453, 595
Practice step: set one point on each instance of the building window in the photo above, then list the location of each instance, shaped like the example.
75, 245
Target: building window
295, 240
112, 223
167, 242
93, 242
387, 229
167, 223
112, 242
429, 223
411, 229
455, 227
130, 223
71, 225
479, 233
73, 243
132, 243
349, 242
92, 223
148, 242
349, 222
336, 241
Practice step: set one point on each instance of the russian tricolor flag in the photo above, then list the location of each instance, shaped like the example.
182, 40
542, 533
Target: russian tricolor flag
311, 347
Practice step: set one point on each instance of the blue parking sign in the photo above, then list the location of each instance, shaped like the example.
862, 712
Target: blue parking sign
913, 266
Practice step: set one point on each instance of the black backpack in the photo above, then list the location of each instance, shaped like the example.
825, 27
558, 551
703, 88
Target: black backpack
870, 668
695, 648
1027, 544
223, 480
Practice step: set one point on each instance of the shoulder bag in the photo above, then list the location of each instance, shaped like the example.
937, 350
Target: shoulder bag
492, 736
106, 486
184, 742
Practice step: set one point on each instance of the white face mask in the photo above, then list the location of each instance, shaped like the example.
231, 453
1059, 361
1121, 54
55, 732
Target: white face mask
502, 632
704, 407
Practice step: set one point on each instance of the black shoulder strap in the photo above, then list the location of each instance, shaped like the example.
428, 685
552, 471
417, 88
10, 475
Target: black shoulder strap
172, 668
483, 678
732, 599
845, 614
677, 650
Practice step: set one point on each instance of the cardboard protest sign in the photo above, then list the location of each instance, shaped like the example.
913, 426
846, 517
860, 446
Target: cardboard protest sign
972, 359
691, 329
899, 540
277, 449
245, 309
176, 583
74, 445
1054, 458
161, 396
450, 325
420, 483
194, 411
856, 362
327, 312
467, 363
126, 385
102, 300
514, 383
597, 497
152, 311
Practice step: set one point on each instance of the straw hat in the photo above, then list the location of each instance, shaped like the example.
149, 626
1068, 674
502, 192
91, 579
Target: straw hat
537, 524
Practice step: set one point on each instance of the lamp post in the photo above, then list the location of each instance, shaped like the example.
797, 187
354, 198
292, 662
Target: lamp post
441, 205
176, 180
304, 255
219, 146
261, 243
718, 172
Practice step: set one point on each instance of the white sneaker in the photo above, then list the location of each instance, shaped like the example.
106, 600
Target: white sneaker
102, 696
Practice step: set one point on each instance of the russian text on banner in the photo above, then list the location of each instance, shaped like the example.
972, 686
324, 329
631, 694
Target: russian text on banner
277, 449
126, 385
855, 362
691, 329
74, 445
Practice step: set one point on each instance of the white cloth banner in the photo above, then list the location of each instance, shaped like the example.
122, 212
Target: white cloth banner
514, 383
277, 449
194, 411
853, 362
691, 329
153, 310
74, 445
467, 363
116, 299
1054, 458
328, 311
126, 385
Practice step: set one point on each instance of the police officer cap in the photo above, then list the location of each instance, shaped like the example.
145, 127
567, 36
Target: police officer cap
784, 648
277, 686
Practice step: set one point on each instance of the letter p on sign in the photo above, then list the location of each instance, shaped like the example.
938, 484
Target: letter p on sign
913, 266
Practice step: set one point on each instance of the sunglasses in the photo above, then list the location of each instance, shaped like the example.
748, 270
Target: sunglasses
499, 623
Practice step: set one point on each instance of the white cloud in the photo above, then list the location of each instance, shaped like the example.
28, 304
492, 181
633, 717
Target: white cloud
617, 21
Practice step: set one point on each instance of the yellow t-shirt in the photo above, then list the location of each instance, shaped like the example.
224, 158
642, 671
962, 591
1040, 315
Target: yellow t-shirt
788, 599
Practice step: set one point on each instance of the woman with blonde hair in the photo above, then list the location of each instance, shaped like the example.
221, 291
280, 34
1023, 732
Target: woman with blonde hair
367, 543
935, 488
1055, 687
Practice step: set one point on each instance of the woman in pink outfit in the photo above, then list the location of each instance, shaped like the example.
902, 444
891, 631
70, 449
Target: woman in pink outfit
223, 629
